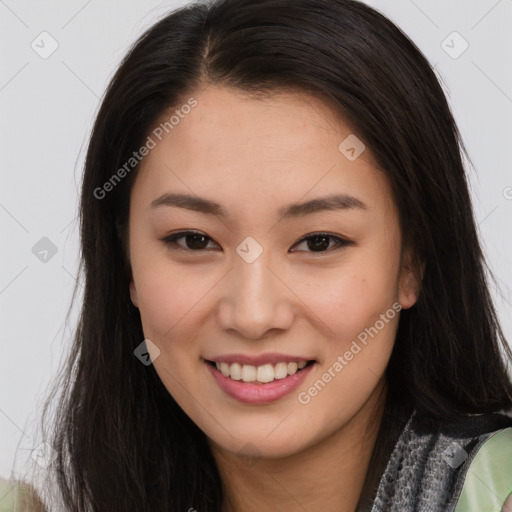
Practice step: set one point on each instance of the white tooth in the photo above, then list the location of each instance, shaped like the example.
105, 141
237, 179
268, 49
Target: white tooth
292, 368
235, 371
280, 370
265, 373
248, 373
224, 368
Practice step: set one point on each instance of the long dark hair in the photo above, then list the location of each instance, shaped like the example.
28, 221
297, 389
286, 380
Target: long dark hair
122, 442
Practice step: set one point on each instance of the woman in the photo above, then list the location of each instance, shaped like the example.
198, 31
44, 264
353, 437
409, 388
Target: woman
285, 298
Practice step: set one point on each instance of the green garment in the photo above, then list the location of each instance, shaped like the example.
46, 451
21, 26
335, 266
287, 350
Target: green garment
488, 482
487, 485
14, 497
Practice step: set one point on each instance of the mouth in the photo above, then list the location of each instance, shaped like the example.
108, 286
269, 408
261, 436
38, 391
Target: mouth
260, 375
266, 383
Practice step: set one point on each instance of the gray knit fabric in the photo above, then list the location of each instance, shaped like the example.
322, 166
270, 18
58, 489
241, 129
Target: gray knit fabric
427, 467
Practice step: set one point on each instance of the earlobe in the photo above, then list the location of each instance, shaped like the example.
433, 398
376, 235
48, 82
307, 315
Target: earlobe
133, 294
410, 286
407, 297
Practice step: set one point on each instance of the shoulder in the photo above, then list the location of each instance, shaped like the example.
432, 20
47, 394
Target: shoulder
18, 496
487, 476
433, 465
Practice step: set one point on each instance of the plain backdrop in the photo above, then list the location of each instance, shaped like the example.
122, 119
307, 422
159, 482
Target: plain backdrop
48, 103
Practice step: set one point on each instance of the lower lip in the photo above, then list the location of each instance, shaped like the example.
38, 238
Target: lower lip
251, 393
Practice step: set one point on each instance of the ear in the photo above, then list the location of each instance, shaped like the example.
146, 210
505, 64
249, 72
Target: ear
411, 278
133, 294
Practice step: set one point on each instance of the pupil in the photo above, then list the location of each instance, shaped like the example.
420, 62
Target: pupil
322, 246
193, 245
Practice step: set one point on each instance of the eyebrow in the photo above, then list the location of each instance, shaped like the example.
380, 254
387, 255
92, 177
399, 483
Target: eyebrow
294, 210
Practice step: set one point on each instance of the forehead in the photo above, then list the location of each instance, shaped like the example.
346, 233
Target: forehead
226, 121
280, 148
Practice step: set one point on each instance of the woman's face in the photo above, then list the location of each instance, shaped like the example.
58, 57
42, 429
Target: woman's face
251, 288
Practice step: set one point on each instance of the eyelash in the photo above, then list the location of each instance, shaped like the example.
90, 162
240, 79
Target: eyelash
170, 241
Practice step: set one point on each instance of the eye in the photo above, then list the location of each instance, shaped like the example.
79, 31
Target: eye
321, 242
196, 241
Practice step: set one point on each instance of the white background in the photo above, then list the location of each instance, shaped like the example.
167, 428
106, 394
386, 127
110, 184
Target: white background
48, 106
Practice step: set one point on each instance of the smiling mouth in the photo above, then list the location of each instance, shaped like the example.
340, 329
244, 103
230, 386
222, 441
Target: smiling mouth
260, 374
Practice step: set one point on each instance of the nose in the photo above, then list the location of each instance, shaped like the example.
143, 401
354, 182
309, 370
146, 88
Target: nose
255, 299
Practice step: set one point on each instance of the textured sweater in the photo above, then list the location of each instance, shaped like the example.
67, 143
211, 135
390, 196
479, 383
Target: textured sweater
429, 464
426, 468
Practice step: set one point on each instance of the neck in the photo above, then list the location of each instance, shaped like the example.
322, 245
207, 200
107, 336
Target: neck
328, 475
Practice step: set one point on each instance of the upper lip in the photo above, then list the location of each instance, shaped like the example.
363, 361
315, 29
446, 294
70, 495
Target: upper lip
258, 360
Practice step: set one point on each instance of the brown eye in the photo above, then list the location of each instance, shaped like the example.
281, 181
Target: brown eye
320, 242
193, 241
198, 242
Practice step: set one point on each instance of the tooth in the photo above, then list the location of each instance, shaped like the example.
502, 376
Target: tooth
265, 373
280, 370
248, 373
292, 368
224, 368
235, 371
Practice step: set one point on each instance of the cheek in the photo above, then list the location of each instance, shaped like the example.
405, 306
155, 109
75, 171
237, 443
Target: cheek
167, 295
358, 309
351, 297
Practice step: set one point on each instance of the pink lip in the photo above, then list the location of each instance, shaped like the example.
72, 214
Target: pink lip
259, 360
257, 393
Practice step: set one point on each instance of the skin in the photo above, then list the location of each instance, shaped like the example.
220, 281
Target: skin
254, 156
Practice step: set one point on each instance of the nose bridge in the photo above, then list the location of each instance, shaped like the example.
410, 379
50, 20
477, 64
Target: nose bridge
255, 300
254, 280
